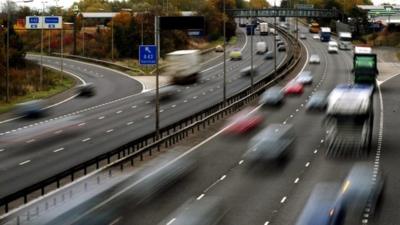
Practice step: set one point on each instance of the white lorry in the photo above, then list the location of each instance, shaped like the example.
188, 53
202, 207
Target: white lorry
263, 28
183, 66
261, 47
345, 41
349, 120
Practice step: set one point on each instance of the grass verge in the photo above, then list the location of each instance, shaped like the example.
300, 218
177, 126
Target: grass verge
60, 85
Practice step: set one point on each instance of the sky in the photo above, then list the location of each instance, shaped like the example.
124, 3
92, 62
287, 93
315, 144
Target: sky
68, 3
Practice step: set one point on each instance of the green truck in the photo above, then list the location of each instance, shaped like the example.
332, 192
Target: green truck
364, 66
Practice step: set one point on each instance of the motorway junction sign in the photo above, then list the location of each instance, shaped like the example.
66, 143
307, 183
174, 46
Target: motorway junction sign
286, 12
43, 22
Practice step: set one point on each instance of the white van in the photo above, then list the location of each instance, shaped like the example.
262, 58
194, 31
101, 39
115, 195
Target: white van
261, 47
333, 47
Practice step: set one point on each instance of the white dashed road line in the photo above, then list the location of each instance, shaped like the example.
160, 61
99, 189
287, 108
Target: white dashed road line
24, 162
200, 196
110, 130
86, 139
58, 150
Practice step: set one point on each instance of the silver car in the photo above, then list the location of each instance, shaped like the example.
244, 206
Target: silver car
305, 78
314, 59
318, 101
303, 36
272, 96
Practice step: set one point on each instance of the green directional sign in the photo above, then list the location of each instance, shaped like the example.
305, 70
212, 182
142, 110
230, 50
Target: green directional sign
287, 12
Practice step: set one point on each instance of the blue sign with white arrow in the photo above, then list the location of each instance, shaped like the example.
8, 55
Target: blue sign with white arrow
148, 54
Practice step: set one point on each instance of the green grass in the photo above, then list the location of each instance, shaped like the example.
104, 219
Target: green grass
60, 86
233, 40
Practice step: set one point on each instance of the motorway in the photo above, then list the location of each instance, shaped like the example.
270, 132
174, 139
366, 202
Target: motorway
259, 195
108, 125
256, 195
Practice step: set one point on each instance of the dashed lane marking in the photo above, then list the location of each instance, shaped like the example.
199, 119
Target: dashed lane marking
24, 162
58, 150
86, 139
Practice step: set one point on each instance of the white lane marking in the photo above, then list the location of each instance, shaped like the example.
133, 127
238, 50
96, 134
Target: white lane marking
147, 116
114, 222
2, 149
241, 161
110, 130
223, 177
57, 150
266, 223
81, 124
119, 112
129, 123
171, 221
86, 139
30, 141
24, 162
307, 164
185, 100
101, 117
134, 107
200, 196
173, 106
297, 180
161, 110
58, 132
195, 97
283, 199
315, 151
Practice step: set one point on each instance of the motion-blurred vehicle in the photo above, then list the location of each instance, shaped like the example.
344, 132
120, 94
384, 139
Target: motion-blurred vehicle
272, 144
305, 78
282, 48
333, 47
165, 93
314, 28
318, 101
206, 211
261, 47
314, 59
279, 43
219, 48
183, 66
294, 88
31, 109
244, 121
303, 36
272, 31
87, 90
358, 191
272, 96
236, 54
365, 67
269, 55
246, 72
315, 37
263, 28
278, 38
345, 40
325, 34
321, 207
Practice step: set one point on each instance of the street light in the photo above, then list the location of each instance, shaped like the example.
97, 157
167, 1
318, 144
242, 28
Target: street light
224, 90
8, 48
75, 9
41, 47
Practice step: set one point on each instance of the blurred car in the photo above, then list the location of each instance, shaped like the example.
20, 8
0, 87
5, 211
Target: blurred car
219, 48
236, 54
305, 78
272, 144
303, 36
244, 121
282, 48
206, 211
31, 109
269, 55
272, 96
321, 207
358, 191
278, 38
314, 59
247, 71
165, 93
315, 37
279, 43
294, 88
318, 101
333, 47
87, 89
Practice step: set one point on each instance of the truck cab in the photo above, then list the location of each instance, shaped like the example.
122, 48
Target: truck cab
364, 65
325, 34
345, 40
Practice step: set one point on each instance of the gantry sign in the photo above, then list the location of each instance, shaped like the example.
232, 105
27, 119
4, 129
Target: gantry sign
285, 12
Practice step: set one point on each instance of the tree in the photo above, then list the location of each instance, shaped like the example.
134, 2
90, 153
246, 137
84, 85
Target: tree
258, 4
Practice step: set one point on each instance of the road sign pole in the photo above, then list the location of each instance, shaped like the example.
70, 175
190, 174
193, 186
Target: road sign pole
62, 52
224, 27
275, 33
157, 27
251, 54
41, 51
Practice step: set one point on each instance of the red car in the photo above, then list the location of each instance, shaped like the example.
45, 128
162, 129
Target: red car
244, 121
294, 88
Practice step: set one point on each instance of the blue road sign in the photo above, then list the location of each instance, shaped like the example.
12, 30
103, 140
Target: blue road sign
147, 54
51, 20
33, 19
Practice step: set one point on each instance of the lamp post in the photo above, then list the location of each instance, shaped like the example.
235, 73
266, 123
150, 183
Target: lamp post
224, 27
8, 49
75, 9
275, 32
41, 47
